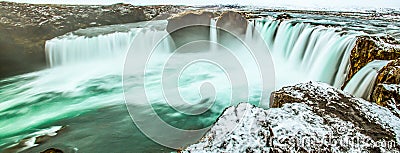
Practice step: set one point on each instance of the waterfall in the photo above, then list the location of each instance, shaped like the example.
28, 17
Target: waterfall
362, 83
307, 52
311, 53
301, 51
213, 34
71, 48
213, 30
249, 32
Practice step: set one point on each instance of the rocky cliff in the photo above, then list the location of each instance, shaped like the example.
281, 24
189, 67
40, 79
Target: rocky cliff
24, 28
386, 91
369, 48
189, 26
307, 117
195, 25
233, 22
387, 87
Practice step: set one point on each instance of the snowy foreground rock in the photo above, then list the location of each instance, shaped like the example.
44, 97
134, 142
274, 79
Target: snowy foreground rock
311, 117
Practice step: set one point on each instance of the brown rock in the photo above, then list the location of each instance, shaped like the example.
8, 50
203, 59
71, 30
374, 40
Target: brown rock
367, 49
385, 94
387, 86
390, 74
189, 26
329, 101
190, 18
232, 22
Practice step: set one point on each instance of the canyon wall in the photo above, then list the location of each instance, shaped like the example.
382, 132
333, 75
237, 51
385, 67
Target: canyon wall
24, 28
387, 86
369, 48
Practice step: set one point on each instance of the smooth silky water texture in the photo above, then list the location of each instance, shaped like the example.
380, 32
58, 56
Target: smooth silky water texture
362, 83
83, 92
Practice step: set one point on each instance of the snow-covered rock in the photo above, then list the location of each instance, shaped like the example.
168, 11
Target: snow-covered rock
311, 117
387, 87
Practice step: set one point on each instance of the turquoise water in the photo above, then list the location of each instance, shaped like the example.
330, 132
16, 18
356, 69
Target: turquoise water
81, 107
91, 112
79, 104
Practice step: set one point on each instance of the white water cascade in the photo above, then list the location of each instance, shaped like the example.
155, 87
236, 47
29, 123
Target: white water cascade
213, 32
85, 81
303, 52
72, 49
362, 83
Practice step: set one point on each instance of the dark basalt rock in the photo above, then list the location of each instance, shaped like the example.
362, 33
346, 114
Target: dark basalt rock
190, 18
189, 26
194, 26
284, 16
369, 48
52, 150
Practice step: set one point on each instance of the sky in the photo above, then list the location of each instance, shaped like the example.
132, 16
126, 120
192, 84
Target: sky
299, 4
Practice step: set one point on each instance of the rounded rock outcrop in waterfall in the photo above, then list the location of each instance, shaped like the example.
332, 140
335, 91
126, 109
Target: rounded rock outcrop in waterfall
284, 16
232, 22
189, 26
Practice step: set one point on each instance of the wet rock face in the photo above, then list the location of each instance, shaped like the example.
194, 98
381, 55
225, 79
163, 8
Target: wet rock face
24, 28
182, 20
387, 95
390, 74
233, 22
195, 26
189, 26
369, 48
311, 117
387, 86
284, 16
